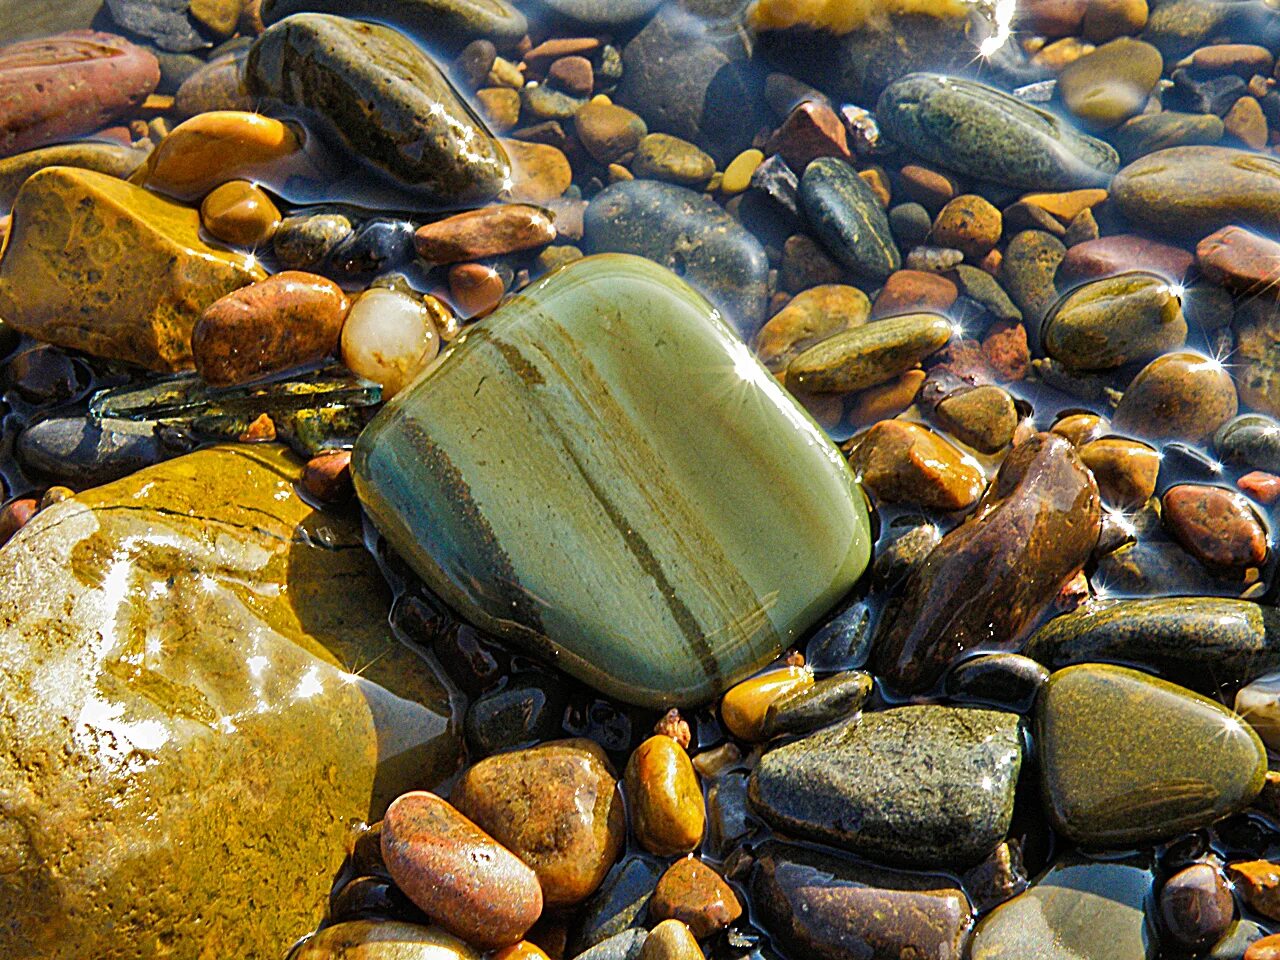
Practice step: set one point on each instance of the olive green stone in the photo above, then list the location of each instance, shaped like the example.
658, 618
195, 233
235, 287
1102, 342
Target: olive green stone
1203, 643
441, 21
587, 472
385, 99
1108, 86
199, 694
975, 129
110, 158
1150, 132
1126, 761
1080, 910
867, 355
663, 157
1190, 192
920, 786
1109, 322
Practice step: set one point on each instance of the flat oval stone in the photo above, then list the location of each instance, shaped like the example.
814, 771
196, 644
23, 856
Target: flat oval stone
384, 940
211, 621
1108, 86
451, 22
1179, 396
917, 786
689, 233
135, 292
644, 361
240, 213
1192, 191
1217, 526
603, 13
1149, 132
810, 317
1080, 909
79, 451
1257, 368
978, 130
992, 577
1123, 758
870, 354
849, 218
1240, 260
556, 806
110, 158
480, 234
1200, 642
820, 905
385, 99
64, 86
1250, 439
1110, 322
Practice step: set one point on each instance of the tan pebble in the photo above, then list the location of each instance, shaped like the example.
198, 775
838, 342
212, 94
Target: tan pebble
1081, 428
500, 106
878, 180
1126, 470
711, 763
737, 175
1246, 122
693, 893
262, 430
388, 338
1107, 19
902, 462
887, 400
539, 172
504, 73
1060, 54
810, 317
745, 705
670, 940
56, 495
1069, 205
618, 173
969, 223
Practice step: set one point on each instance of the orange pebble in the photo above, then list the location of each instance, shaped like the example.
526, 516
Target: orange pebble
475, 289
744, 706
524, 950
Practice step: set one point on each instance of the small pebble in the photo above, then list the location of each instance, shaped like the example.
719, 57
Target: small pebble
744, 707
693, 893
388, 338
665, 804
327, 478
475, 289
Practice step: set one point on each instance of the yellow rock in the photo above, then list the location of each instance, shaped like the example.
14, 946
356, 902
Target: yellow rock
539, 171
96, 264
212, 148
744, 706
843, 16
737, 175
240, 213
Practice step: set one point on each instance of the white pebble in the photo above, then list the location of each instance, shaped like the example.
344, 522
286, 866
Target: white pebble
389, 338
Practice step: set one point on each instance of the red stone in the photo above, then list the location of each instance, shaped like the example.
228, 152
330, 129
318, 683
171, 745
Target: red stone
1263, 487
327, 478
573, 75
1216, 525
912, 291
1005, 347
15, 515
488, 232
1242, 261
67, 85
546, 53
930, 188
693, 893
1120, 252
811, 130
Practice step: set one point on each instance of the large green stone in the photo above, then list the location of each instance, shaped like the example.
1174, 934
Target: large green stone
603, 471
199, 696
1128, 759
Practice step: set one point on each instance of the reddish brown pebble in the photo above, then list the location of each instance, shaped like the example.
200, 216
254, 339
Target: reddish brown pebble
573, 75
690, 891
1126, 470
1052, 18
1258, 882
262, 430
1240, 260
457, 874
475, 289
1122, 252
1005, 347
67, 85
14, 515
327, 478
546, 53
479, 234
1268, 948
1216, 525
1243, 59
970, 224
902, 462
1196, 906
914, 291
1263, 487
287, 320
927, 187
811, 130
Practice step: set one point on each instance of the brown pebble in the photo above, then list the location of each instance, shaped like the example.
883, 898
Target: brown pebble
1107, 19
500, 106
15, 515
1121, 252
1066, 206
573, 75
667, 811
327, 477
811, 130
1179, 396
539, 58
609, 132
914, 291
1216, 525
984, 417
676, 727
1052, 18
1242, 261
475, 289
805, 264
1268, 948
1081, 428
1258, 882
1246, 122
240, 213
539, 172
1263, 487
285, 321
969, 223
1005, 347
1126, 470
457, 874
261, 430
479, 234
744, 706
809, 318
927, 187
1245, 60
903, 462
887, 400
670, 940
1196, 906
693, 893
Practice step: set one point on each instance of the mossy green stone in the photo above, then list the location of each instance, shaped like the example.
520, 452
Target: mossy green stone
386, 99
1080, 910
849, 218
590, 470
199, 695
1205, 643
1107, 323
439, 21
975, 129
1128, 759
867, 355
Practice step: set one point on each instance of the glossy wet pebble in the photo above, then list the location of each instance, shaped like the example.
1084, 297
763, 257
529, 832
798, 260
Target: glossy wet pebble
389, 338
1111, 84
490, 232
1109, 322
808, 318
745, 706
1196, 906
241, 214
827, 701
901, 462
441, 21
917, 786
1178, 396
557, 807
1125, 470
693, 893
868, 355
1152, 781
456, 873
1259, 703
668, 815
384, 940
670, 940
848, 218
1217, 526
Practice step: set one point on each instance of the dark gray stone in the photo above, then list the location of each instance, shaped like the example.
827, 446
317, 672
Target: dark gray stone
619, 905
603, 13
449, 22
164, 22
80, 453
848, 218
828, 700
1006, 681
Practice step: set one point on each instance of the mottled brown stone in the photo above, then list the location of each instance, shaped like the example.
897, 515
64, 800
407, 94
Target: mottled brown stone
693, 893
480, 234
1242, 261
902, 462
1216, 525
1179, 396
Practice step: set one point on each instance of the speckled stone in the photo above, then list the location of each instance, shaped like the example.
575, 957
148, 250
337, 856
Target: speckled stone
1111, 84
1110, 322
995, 574
603, 13
1257, 363
688, 232
1124, 762
210, 619
620, 903
978, 130
826, 701
1150, 132
1250, 439
1027, 273
823, 906
451, 22
917, 786
848, 218
902, 462
693, 893
385, 99
135, 293
1080, 909
1179, 396
1191, 191
809, 318
1216, 525
1204, 643
114, 159
868, 355
675, 404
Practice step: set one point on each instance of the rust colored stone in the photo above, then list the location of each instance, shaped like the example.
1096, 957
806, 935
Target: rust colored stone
1242, 261
914, 291
1263, 487
693, 893
811, 130
287, 320
15, 515
1216, 525
1005, 347
327, 478
573, 75
457, 874
903, 462
990, 579
261, 430
475, 289
887, 400
1268, 948
1120, 253
970, 224
1258, 882
480, 234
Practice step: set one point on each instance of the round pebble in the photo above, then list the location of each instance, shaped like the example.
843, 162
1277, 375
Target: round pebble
241, 214
389, 338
